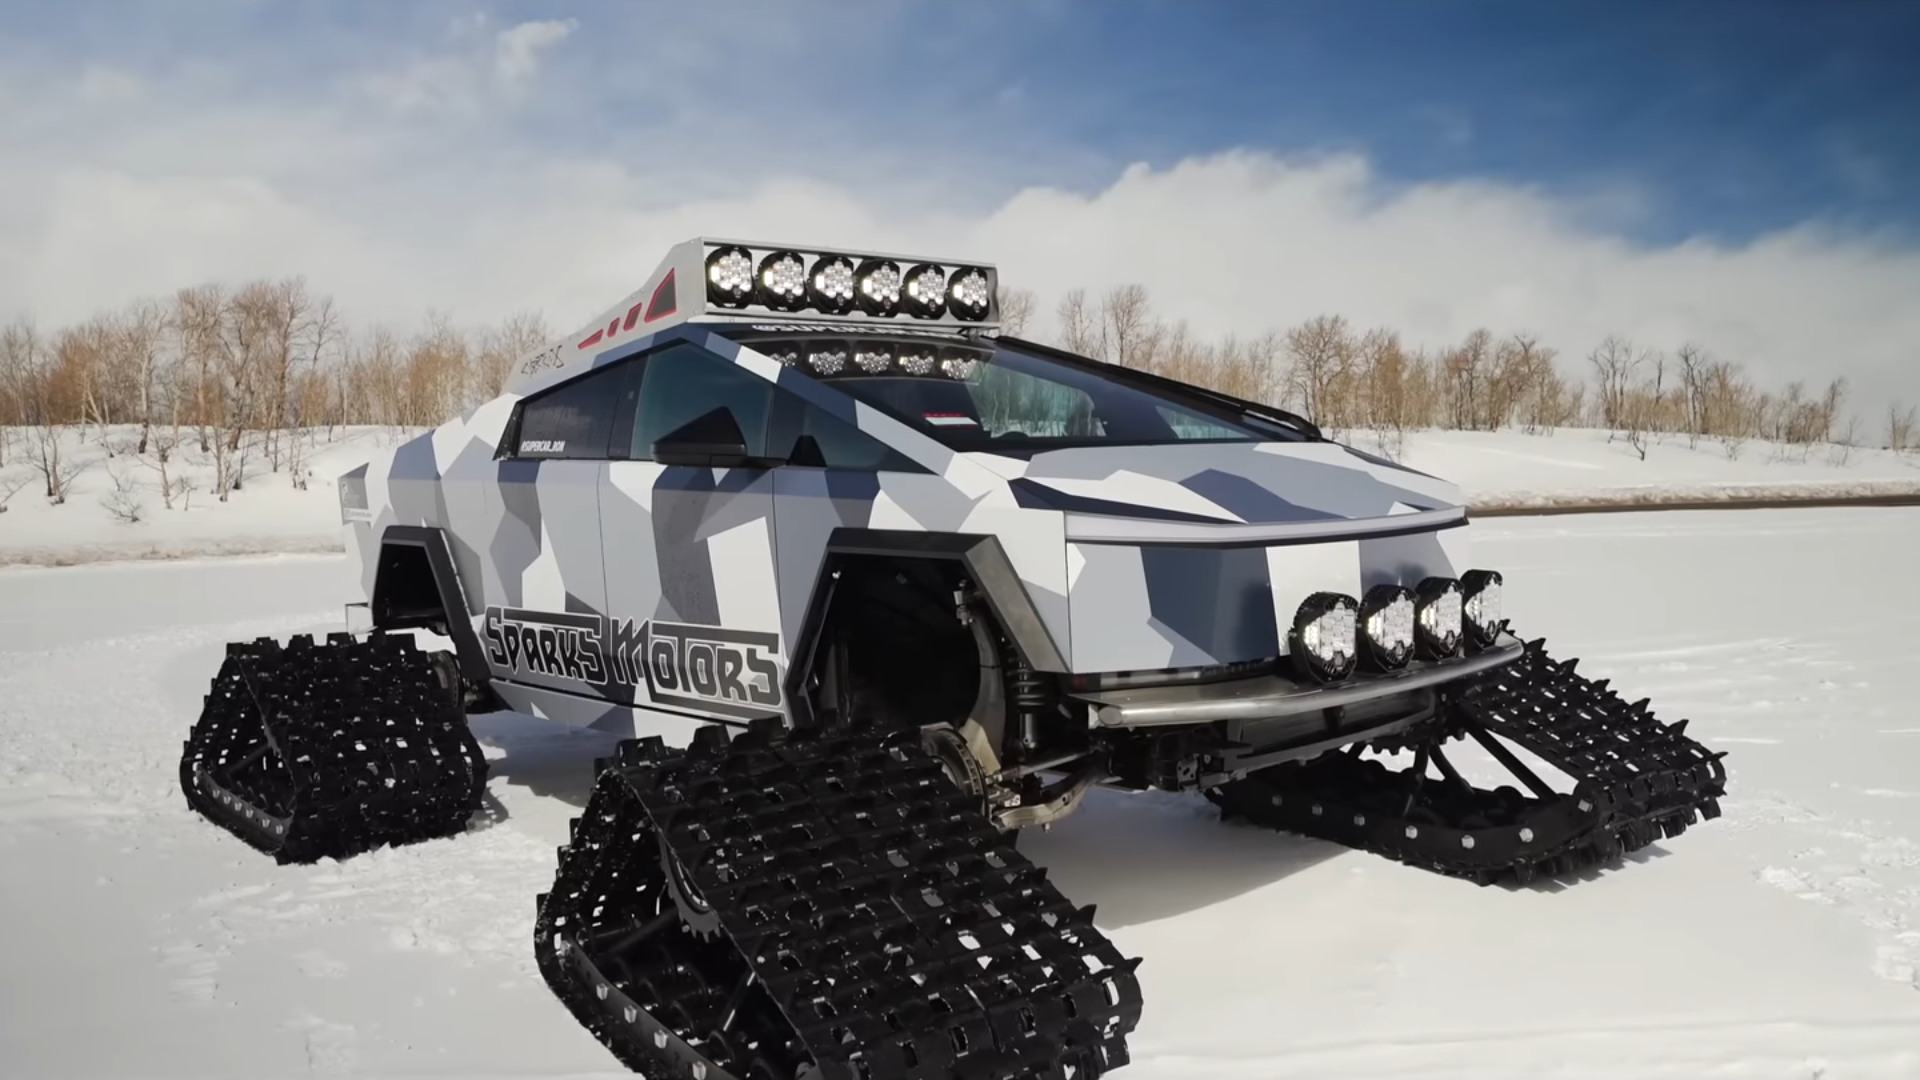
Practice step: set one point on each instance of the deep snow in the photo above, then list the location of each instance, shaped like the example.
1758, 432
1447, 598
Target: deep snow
1778, 941
1495, 469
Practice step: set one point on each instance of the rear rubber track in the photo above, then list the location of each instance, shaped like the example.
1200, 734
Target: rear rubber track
1637, 781
820, 903
328, 750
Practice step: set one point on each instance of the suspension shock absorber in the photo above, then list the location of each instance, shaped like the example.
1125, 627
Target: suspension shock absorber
1027, 695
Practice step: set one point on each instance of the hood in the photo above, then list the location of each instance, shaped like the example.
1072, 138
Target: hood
1201, 489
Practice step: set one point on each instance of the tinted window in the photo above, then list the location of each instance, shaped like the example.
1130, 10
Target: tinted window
834, 443
682, 382
573, 420
1001, 398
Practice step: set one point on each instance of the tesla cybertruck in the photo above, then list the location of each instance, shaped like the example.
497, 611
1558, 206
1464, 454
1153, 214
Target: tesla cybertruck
866, 587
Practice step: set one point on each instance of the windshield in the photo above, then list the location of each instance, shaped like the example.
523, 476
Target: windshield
1004, 399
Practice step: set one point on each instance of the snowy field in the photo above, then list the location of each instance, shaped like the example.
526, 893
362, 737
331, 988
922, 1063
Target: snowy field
270, 515
1780, 941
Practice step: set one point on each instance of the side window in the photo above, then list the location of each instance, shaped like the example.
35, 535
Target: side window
836, 444
682, 382
573, 420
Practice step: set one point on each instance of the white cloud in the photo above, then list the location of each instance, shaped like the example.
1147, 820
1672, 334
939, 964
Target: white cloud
479, 65
393, 218
517, 49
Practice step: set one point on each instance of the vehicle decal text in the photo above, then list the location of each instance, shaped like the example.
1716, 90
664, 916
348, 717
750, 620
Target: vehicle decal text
712, 669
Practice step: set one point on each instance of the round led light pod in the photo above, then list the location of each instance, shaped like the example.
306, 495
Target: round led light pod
925, 291
1386, 627
1480, 590
730, 277
1437, 613
960, 367
968, 295
781, 283
1322, 641
830, 286
876, 287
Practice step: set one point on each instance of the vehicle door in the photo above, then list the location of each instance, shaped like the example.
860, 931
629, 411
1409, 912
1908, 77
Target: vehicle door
686, 519
545, 584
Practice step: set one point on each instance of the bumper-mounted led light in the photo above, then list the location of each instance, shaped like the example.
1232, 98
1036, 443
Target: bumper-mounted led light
1322, 643
1386, 627
781, 283
730, 277
1480, 590
1437, 612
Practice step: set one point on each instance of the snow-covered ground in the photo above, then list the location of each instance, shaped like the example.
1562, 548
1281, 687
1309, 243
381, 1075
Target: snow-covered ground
1581, 466
1778, 941
1497, 470
268, 514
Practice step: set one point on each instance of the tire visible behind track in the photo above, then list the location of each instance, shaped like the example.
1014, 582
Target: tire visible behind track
327, 750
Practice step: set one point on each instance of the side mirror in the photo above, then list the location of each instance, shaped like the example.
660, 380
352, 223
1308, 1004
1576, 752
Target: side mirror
710, 440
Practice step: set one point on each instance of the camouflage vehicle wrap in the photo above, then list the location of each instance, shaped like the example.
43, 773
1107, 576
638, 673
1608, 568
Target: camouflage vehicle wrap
854, 575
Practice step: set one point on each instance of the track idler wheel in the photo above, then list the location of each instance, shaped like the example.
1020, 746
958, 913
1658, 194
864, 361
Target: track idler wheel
313, 751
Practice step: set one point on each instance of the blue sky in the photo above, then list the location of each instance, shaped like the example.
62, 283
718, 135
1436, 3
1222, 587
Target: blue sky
1741, 174
1725, 119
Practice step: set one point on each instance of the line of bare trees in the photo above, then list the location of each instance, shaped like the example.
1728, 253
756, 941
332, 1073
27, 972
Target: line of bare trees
249, 377
252, 377
1355, 381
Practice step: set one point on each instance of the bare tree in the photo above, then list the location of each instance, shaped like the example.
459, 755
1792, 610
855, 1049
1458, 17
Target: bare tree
1900, 427
1128, 331
1843, 443
1016, 310
1614, 363
44, 403
11, 485
499, 348
1079, 327
1386, 406
123, 499
1320, 359
1693, 373
141, 337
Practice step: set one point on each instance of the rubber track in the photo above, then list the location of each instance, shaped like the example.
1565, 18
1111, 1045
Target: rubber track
328, 750
896, 932
1637, 780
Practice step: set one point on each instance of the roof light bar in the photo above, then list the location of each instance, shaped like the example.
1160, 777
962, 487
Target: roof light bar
707, 279
748, 277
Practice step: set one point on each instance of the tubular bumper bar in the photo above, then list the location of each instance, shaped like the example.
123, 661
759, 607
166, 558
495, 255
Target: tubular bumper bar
1265, 697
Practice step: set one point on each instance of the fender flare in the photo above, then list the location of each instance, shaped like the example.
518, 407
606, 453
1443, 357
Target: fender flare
453, 598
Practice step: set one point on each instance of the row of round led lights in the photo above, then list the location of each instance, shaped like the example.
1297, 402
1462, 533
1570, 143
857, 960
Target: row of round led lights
836, 285
833, 358
1333, 634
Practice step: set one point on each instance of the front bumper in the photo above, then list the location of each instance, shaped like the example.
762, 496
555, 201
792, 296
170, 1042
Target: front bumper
1268, 697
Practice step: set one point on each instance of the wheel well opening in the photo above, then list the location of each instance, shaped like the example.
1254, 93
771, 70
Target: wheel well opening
892, 642
405, 594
